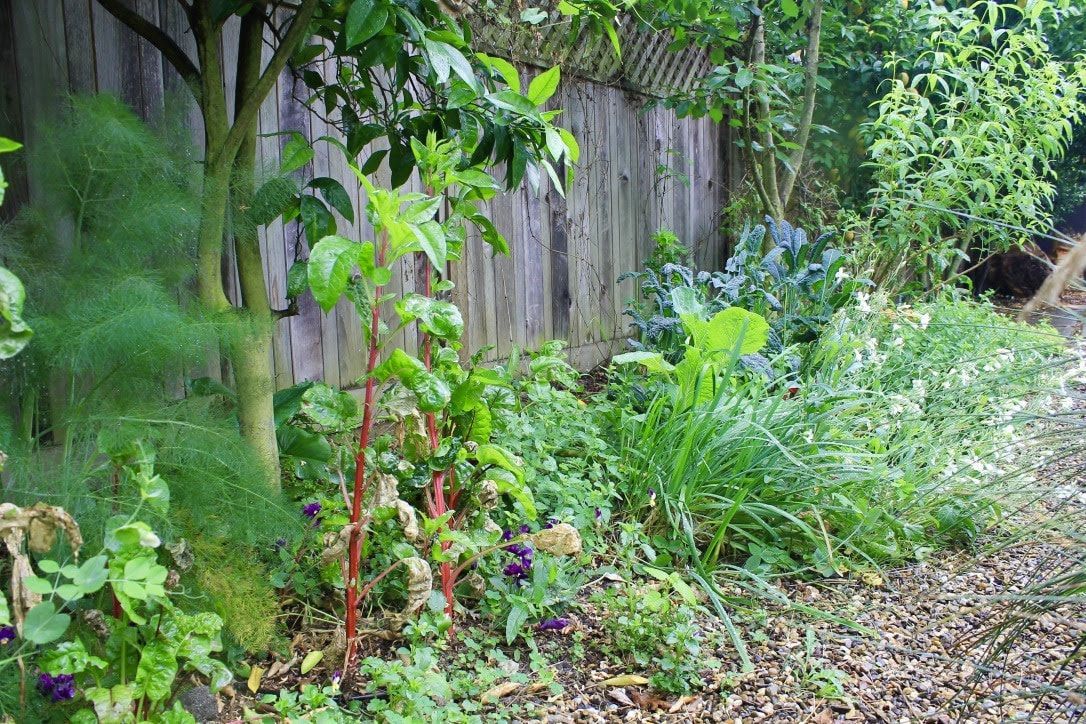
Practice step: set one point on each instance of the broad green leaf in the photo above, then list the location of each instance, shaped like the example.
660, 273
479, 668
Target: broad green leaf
296, 153
571, 144
544, 85
297, 278
7, 145
364, 20
431, 392
113, 706
790, 8
431, 237
421, 211
725, 329
287, 402
435, 317
336, 196
330, 265
303, 445
508, 484
502, 458
330, 408
14, 332
651, 361
685, 300
153, 490
44, 623
505, 69
69, 657
156, 671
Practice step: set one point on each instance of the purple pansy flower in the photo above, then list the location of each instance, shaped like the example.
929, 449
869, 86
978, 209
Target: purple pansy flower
599, 513
310, 510
525, 529
58, 688
553, 624
7, 634
507, 535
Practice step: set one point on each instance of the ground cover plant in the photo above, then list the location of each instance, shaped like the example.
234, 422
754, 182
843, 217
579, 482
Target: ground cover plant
461, 540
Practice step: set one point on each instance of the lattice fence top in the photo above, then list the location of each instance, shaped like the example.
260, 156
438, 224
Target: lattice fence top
646, 65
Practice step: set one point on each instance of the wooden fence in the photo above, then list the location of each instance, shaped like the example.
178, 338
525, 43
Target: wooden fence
640, 169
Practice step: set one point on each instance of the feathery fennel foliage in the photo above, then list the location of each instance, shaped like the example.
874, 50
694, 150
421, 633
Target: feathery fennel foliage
107, 253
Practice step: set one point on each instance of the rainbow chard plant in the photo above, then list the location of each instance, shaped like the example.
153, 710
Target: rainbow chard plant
462, 469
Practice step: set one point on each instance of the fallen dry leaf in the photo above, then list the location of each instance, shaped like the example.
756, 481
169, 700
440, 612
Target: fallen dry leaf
497, 692
625, 680
255, 674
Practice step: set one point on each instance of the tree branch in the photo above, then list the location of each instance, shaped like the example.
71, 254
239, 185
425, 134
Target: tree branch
157, 37
246, 113
810, 90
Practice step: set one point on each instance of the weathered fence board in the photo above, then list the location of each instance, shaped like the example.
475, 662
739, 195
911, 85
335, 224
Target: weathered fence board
640, 169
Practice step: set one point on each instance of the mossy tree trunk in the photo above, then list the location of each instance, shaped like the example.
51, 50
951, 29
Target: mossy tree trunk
229, 172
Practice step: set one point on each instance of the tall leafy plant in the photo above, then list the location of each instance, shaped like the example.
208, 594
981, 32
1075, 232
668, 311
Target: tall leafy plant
447, 399
962, 150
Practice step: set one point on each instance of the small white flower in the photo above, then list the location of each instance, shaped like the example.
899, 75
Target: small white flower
925, 320
861, 302
842, 274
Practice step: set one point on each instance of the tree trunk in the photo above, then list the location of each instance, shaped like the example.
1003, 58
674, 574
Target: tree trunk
253, 371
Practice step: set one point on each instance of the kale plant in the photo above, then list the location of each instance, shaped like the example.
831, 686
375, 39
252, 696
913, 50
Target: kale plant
797, 285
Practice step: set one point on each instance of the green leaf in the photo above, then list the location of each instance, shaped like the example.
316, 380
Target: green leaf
69, 657
336, 196
435, 317
296, 153
303, 445
5, 612
156, 671
14, 332
92, 575
330, 263
44, 623
725, 329
518, 616
790, 8
7, 145
38, 585
113, 706
287, 402
744, 77
651, 361
431, 393
431, 237
316, 218
533, 16
498, 456
311, 659
330, 408
544, 85
572, 146
686, 300
297, 278
273, 199
154, 490
421, 211
505, 69
364, 20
